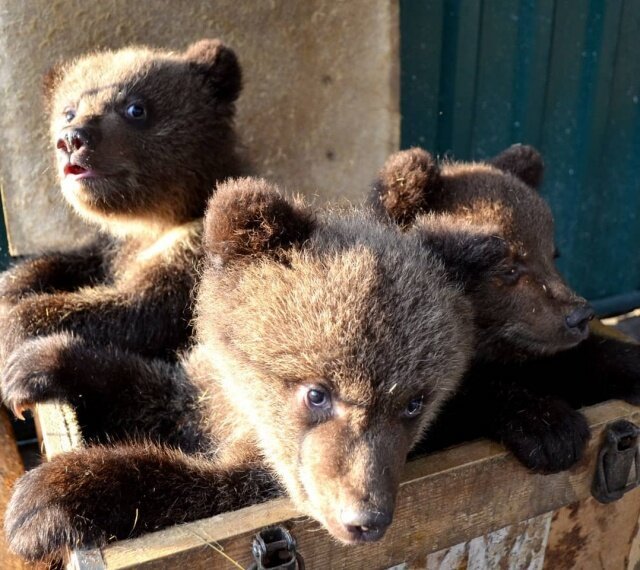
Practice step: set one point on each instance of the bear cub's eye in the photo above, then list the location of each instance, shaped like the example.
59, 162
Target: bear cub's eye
136, 112
69, 114
317, 398
414, 407
511, 275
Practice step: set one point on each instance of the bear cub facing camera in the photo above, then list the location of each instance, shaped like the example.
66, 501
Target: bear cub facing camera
326, 345
141, 137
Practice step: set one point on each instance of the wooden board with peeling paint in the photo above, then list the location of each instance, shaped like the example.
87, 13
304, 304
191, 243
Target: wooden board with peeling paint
319, 113
588, 534
519, 546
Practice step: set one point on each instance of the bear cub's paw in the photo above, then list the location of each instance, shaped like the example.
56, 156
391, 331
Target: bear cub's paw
34, 372
37, 524
548, 439
624, 379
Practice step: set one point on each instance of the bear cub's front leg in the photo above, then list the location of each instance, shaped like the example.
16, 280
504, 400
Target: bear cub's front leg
115, 392
64, 271
88, 497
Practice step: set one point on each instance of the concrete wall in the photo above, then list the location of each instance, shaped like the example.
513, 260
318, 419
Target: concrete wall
319, 113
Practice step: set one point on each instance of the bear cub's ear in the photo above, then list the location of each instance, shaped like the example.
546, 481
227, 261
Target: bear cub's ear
405, 184
50, 81
248, 217
219, 65
471, 253
523, 161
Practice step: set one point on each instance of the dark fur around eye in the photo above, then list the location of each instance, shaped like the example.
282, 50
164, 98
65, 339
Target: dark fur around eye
511, 274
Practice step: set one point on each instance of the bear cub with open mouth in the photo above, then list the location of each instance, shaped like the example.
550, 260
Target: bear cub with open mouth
141, 138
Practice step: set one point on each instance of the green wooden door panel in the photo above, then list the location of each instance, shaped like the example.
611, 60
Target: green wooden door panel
564, 76
421, 32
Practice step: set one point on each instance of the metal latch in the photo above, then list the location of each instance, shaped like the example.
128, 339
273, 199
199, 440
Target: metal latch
618, 466
274, 548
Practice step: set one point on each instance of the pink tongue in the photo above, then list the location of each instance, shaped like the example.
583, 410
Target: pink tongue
73, 169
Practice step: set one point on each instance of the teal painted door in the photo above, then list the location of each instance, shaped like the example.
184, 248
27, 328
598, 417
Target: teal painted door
564, 76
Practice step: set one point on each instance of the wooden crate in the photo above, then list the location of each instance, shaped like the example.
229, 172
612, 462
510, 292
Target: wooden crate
472, 506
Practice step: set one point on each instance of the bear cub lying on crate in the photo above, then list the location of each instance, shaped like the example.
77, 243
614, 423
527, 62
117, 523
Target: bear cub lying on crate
532, 364
326, 344
141, 136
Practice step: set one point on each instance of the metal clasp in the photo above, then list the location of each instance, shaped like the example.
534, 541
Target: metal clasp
274, 548
618, 466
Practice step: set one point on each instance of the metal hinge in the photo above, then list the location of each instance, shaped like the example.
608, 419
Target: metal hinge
618, 465
274, 548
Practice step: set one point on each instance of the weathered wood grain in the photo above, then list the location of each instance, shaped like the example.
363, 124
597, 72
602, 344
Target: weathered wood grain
520, 546
57, 428
634, 551
588, 534
446, 499
10, 469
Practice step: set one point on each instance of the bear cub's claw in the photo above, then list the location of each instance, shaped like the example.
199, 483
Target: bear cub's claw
33, 373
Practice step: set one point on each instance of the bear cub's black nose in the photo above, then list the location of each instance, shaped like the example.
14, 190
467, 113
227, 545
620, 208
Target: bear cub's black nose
72, 140
579, 318
369, 525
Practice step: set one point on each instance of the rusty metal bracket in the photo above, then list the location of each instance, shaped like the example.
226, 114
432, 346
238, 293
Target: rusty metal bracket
274, 548
618, 465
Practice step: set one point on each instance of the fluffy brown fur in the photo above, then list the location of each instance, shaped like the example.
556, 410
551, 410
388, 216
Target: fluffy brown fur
525, 307
406, 183
141, 136
156, 170
322, 357
529, 367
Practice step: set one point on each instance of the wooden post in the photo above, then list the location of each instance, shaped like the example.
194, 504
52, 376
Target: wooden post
10, 469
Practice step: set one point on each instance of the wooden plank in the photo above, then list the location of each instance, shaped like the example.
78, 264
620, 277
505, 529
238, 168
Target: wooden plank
535, 31
517, 546
628, 519
588, 534
57, 428
497, 65
604, 328
616, 185
634, 551
460, 51
445, 499
86, 560
10, 469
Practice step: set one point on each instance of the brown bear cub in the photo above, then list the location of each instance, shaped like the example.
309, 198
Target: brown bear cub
532, 364
141, 138
326, 344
